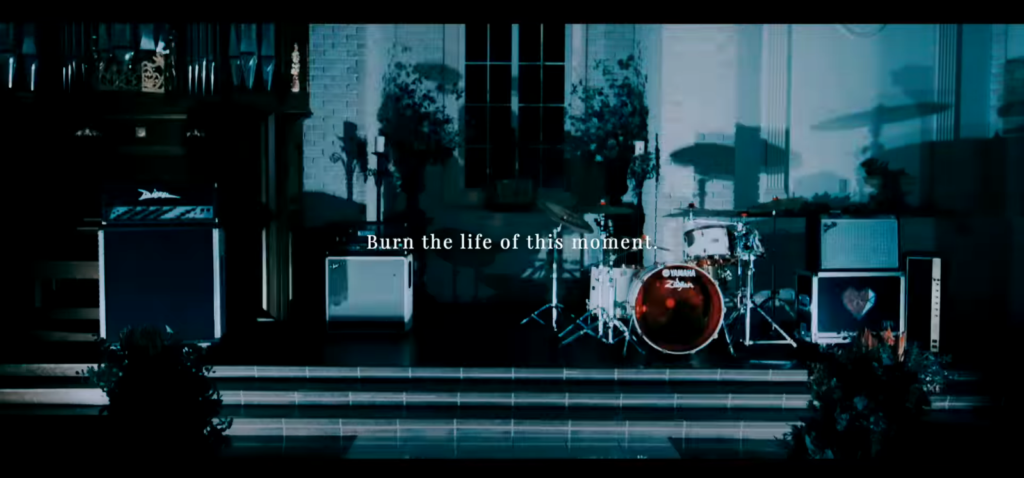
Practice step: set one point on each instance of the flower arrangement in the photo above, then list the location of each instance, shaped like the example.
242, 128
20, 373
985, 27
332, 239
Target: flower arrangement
865, 396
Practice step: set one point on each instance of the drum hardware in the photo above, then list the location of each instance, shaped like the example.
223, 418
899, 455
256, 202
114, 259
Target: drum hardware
599, 324
747, 305
609, 289
554, 306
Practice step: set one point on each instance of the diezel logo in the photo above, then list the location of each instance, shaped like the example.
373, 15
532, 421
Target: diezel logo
679, 273
154, 194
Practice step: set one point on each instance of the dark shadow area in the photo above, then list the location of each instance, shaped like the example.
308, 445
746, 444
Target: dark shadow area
353, 156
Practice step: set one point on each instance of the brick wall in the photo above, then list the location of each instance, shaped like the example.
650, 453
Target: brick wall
346, 63
696, 102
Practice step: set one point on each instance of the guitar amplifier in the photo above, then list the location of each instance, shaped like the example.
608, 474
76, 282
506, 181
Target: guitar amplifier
870, 243
924, 298
370, 290
833, 306
161, 260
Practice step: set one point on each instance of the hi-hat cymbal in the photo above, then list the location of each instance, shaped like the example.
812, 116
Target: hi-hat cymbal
881, 115
566, 217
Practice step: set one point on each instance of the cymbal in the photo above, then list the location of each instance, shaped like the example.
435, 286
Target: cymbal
880, 115
567, 218
603, 210
458, 257
1013, 109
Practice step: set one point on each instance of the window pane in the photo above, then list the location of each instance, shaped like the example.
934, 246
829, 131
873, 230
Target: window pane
529, 125
529, 163
501, 85
553, 125
503, 163
476, 84
501, 43
554, 43
500, 127
553, 168
476, 42
529, 43
529, 85
476, 125
476, 167
554, 84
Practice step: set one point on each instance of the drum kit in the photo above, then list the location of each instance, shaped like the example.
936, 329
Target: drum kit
673, 308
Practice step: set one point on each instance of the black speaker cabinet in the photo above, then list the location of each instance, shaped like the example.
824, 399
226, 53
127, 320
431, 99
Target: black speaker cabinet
924, 298
162, 276
833, 306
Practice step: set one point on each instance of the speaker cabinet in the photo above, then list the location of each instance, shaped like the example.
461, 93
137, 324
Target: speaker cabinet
924, 298
369, 291
852, 244
162, 276
833, 306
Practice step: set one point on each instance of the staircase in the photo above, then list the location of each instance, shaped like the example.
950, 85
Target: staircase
476, 412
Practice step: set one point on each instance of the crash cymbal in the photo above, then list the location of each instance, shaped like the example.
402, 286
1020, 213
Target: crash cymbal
1012, 110
567, 218
881, 115
604, 210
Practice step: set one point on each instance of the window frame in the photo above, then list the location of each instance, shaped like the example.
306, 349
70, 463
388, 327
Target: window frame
515, 63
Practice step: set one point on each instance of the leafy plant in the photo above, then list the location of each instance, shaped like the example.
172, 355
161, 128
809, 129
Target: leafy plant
415, 121
609, 117
161, 398
865, 396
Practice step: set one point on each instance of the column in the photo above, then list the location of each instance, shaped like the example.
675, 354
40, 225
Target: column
776, 67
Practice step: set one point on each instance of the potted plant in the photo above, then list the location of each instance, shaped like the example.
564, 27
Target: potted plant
866, 397
607, 117
419, 129
160, 397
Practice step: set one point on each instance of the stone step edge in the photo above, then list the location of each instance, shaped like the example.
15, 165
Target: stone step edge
465, 373
452, 373
96, 397
510, 429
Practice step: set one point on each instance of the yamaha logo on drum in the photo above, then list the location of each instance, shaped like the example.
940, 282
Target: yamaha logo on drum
679, 273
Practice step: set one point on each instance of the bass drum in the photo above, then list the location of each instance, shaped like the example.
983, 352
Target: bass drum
678, 308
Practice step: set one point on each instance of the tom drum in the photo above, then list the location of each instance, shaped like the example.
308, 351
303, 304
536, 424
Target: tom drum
678, 308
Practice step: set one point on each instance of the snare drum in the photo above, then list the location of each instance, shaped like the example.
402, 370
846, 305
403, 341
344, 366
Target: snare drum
678, 308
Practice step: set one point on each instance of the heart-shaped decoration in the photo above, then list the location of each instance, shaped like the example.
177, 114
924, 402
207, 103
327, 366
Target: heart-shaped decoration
858, 302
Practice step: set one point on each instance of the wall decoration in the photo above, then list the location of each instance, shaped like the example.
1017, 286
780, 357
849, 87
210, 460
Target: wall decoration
87, 132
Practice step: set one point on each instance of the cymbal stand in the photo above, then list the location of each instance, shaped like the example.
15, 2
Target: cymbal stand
748, 305
554, 306
598, 323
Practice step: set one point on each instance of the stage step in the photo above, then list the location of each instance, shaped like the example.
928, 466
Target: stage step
468, 373
96, 397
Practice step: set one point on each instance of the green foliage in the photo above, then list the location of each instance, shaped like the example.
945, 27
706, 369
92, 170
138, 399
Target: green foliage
865, 396
160, 396
416, 124
611, 115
